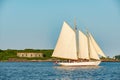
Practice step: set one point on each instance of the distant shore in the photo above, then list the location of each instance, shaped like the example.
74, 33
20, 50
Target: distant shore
111, 61
10, 55
49, 60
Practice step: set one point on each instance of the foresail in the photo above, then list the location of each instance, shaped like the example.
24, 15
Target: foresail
97, 48
83, 46
92, 52
66, 45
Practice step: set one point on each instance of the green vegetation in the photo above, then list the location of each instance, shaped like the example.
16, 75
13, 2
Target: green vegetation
117, 57
5, 55
108, 59
11, 55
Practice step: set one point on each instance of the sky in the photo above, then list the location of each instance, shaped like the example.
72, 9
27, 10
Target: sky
36, 24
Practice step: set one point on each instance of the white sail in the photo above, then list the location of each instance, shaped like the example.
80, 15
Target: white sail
97, 48
83, 46
92, 52
73, 45
66, 45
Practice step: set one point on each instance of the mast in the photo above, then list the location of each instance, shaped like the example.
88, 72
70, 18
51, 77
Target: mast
76, 33
88, 43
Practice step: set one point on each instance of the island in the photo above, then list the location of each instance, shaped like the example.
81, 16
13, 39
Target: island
37, 55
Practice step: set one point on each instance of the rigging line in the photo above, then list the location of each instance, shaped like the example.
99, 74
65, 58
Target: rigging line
76, 33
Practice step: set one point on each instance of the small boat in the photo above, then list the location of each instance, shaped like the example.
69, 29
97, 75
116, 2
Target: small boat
77, 48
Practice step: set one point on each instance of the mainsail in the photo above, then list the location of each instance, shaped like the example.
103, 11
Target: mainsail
66, 45
83, 46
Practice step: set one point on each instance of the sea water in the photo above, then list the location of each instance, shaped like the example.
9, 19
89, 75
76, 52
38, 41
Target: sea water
49, 71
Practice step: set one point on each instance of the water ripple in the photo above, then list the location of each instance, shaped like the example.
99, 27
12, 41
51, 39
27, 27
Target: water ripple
48, 71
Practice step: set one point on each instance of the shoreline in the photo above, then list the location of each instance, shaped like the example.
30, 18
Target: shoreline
49, 61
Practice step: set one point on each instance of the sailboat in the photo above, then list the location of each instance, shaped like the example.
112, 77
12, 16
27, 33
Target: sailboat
77, 48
